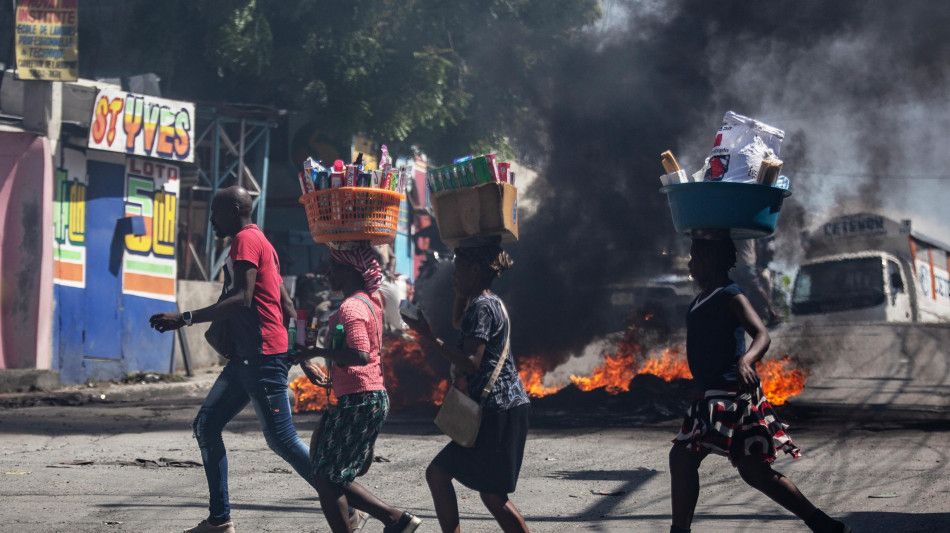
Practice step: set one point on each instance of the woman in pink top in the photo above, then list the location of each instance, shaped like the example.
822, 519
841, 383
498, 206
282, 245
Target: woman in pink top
351, 427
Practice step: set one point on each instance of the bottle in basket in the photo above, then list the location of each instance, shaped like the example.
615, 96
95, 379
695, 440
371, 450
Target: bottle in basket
385, 162
337, 175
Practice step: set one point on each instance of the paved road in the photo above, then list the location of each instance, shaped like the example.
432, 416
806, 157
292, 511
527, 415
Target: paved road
880, 474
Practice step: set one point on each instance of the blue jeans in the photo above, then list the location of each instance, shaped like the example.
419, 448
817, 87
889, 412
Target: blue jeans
262, 381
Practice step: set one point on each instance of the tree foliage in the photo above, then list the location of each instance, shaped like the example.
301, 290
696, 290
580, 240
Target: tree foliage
445, 76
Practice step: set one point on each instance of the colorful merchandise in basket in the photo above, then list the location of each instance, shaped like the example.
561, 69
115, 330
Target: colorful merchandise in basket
470, 171
316, 177
349, 203
474, 197
739, 188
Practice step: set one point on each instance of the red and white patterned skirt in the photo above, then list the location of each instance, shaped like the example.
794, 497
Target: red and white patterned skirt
735, 425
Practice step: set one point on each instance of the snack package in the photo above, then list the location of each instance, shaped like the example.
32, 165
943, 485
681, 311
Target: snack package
741, 145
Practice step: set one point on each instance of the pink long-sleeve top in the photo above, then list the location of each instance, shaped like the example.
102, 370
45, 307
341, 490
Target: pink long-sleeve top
362, 334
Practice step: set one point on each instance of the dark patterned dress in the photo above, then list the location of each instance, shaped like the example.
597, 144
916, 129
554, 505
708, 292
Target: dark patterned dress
492, 465
350, 430
726, 421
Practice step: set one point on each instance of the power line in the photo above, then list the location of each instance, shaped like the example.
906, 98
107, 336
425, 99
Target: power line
865, 175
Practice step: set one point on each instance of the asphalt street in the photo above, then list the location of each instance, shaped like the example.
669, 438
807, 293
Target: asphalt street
127, 462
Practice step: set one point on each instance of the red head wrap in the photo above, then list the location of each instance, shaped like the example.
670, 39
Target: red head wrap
365, 262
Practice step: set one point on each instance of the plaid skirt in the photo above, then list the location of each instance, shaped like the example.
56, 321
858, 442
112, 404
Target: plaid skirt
735, 425
349, 432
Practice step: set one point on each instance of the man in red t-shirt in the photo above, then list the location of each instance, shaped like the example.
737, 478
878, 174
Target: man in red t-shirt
255, 306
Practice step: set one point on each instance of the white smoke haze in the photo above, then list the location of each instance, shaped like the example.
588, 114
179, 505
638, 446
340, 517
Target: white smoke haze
581, 364
867, 123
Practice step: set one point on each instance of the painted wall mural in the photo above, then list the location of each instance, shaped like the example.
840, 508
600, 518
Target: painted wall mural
69, 221
149, 267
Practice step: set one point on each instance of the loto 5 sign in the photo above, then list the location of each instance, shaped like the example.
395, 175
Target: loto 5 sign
143, 126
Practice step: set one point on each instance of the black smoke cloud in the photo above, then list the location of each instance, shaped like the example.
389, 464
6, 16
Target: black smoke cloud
860, 88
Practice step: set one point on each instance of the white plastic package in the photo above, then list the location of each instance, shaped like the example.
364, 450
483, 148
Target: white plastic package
741, 145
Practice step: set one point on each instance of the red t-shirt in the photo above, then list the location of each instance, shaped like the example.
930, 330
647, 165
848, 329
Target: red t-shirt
259, 330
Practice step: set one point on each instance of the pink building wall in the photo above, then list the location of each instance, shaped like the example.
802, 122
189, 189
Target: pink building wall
26, 247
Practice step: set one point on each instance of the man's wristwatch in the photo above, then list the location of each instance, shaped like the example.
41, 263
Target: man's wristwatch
186, 316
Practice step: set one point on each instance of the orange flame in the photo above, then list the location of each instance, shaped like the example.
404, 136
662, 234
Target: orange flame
669, 366
779, 380
412, 379
408, 375
615, 375
309, 396
532, 372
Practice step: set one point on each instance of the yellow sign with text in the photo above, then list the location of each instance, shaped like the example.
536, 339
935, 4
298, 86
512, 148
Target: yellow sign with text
46, 40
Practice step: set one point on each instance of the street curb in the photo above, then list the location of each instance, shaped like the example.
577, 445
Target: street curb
193, 387
13, 380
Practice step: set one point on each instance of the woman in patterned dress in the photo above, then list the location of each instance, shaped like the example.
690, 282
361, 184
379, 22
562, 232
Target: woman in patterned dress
732, 418
492, 465
352, 425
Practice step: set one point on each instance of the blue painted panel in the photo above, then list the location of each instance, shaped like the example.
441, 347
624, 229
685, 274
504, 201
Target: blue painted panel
68, 323
144, 349
102, 334
403, 257
103, 295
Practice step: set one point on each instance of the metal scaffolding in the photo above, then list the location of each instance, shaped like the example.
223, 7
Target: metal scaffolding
232, 148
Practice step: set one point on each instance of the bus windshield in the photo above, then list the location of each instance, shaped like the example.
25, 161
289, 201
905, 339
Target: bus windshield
838, 286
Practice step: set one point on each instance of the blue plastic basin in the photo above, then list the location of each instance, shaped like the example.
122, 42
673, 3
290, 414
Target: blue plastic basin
748, 210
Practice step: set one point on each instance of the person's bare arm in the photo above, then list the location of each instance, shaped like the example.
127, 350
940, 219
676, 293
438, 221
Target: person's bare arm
467, 359
315, 374
245, 277
341, 356
752, 324
287, 305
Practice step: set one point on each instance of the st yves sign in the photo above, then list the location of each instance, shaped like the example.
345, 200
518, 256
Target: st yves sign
144, 126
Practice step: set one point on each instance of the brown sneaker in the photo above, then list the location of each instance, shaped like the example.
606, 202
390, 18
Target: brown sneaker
207, 527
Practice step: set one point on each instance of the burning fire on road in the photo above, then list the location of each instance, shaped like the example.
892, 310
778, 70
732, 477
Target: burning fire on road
415, 378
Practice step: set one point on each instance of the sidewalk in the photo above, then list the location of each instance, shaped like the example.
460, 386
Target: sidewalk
191, 387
